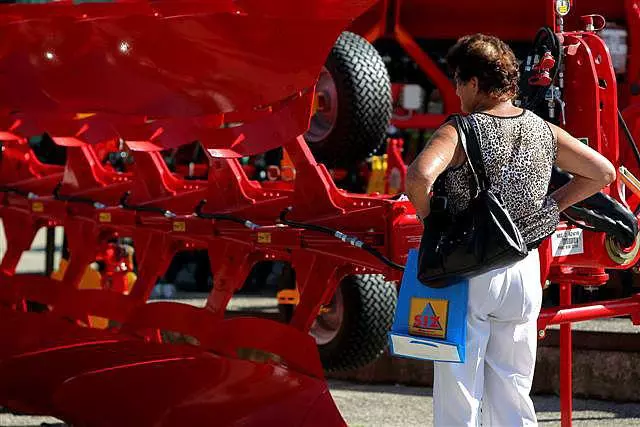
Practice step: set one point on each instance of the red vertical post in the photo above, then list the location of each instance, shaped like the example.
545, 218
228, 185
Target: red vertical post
550, 14
566, 365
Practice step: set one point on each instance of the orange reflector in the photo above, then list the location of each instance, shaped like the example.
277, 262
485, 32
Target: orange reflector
288, 173
286, 159
288, 296
81, 116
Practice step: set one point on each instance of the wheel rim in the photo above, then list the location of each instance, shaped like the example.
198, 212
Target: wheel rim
328, 324
325, 103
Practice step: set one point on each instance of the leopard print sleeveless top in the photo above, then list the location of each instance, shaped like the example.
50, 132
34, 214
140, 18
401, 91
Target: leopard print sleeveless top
518, 153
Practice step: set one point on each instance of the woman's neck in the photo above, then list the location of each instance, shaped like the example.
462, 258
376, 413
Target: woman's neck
497, 107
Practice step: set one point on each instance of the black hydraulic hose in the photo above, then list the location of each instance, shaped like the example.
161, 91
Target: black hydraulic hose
632, 142
575, 223
630, 138
223, 217
354, 241
123, 203
557, 53
75, 199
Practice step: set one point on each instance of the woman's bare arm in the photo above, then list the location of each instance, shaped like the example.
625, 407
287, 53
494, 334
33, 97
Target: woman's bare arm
434, 159
591, 171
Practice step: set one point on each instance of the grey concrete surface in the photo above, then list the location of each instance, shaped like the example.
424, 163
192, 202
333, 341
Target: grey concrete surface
618, 325
34, 260
259, 303
395, 406
381, 405
399, 406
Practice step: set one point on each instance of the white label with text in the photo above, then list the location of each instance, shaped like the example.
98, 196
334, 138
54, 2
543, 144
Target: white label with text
567, 242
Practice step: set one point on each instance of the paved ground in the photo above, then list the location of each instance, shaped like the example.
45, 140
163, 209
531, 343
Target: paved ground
399, 406
396, 406
388, 405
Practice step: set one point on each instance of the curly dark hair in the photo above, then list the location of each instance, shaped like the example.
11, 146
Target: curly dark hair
490, 60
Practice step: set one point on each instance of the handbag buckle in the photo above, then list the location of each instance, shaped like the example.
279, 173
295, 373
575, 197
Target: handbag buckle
439, 203
440, 243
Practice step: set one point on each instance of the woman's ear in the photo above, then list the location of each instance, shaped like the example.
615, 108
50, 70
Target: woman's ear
475, 84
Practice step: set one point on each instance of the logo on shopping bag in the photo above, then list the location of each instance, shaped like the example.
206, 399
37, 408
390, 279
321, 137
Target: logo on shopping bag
428, 317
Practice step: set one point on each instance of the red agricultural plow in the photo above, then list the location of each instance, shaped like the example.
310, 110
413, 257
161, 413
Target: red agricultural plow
132, 79
127, 81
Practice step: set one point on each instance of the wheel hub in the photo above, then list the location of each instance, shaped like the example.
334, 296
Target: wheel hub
329, 322
325, 108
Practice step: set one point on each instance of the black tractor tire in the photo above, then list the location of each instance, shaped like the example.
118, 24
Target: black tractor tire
364, 104
369, 303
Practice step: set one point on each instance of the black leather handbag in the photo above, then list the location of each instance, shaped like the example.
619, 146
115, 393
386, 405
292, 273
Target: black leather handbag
479, 239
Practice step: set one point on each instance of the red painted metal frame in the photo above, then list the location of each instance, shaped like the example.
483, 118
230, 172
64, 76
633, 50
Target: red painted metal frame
631, 112
84, 357
160, 79
407, 21
319, 263
382, 28
632, 8
91, 359
566, 314
590, 92
591, 97
151, 89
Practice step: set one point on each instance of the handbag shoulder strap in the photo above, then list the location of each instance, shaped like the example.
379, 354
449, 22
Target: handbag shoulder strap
471, 147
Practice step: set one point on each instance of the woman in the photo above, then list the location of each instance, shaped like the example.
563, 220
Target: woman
519, 150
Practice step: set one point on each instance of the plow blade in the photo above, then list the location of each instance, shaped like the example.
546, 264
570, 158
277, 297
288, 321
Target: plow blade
237, 76
175, 71
168, 58
27, 333
202, 390
80, 375
64, 323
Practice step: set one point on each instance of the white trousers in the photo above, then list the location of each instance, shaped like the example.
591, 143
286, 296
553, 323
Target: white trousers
492, 387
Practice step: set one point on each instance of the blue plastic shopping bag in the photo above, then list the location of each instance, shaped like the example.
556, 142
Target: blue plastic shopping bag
430, 323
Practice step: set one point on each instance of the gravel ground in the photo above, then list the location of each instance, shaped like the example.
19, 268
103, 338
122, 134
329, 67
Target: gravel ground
399, 406
619, 325
386, 405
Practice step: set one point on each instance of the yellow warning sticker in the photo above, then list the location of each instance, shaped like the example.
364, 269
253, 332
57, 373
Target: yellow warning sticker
37, 207
104, 217
179, 226
428, 317
264, 237
563, 7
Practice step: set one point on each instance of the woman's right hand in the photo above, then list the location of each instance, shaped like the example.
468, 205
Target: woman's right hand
591, 170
